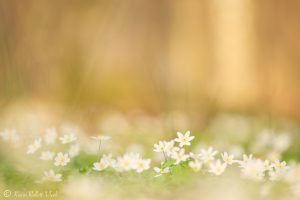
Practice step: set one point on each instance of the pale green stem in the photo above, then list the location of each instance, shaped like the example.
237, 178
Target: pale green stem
165, 156
99, 150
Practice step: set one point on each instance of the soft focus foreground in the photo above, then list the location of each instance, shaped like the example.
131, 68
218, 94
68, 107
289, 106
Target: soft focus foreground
159, 99
121, 160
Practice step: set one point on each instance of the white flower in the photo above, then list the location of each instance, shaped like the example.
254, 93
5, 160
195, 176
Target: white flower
109, 160
142, 164
246, 160
161, 171
253, 169
35, 146
195, 165
180, 156
74, 150
170, 148
99, 166
207, 155
162, 146
68, 138
229, 159
268, 165
61, 159
184, 139
217, 168
51, 176
50, 136
47, 155
280, 167
101, 137
127, 161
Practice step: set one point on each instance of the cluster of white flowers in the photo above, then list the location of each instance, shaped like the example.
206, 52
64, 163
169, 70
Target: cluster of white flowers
174, 151
259, 170
127, 162
208, 160
169, 149
58, 158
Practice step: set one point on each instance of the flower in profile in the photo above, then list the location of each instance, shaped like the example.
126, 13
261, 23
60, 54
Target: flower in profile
101, 137
217, 168
161, 171
229, 159
180, 156
32, 148
208, 155
47, 155
100, 166
50, 136
68, 138
142, 164
196, 165
61, 159
51, 176
184, 139
74, 150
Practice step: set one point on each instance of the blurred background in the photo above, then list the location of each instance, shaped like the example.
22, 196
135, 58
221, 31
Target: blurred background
197, 57
140, 70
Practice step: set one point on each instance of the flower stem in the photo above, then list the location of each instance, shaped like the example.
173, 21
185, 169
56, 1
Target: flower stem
99, 149
165, 156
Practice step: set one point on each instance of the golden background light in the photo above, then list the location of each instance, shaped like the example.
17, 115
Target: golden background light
156, 56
